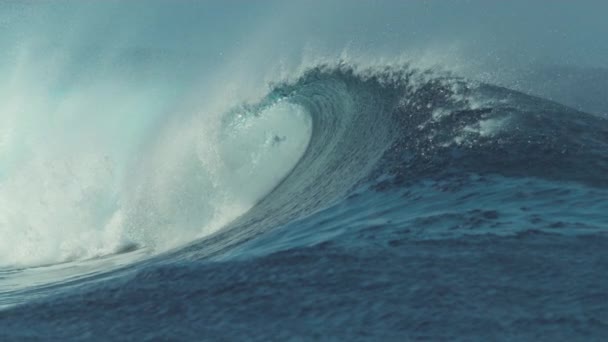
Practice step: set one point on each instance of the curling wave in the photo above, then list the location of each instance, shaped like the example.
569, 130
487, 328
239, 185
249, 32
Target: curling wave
309, 144
390, 128
342, 186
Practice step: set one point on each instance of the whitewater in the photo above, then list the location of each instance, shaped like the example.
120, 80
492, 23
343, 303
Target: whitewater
328, 170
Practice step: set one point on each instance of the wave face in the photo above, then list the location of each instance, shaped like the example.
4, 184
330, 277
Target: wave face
384, 130
390, 177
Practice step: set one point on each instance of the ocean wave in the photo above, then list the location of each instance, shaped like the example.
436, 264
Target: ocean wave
330, 129
393, 128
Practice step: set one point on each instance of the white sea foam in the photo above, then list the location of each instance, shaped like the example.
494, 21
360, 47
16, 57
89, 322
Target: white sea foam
89, 165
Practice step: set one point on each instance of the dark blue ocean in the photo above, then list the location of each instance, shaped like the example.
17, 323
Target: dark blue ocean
343, 200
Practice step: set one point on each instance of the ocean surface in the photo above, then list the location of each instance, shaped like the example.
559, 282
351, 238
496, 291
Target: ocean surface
148, 196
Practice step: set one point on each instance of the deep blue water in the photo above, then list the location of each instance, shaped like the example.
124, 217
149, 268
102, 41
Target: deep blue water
425, 207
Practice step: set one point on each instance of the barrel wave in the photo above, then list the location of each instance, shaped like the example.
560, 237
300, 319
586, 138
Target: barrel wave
350, 201
402, 129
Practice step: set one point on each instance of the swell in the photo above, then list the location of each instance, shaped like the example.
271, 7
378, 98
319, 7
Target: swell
391, 128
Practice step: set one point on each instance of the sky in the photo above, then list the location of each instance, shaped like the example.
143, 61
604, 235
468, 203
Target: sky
512, 32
